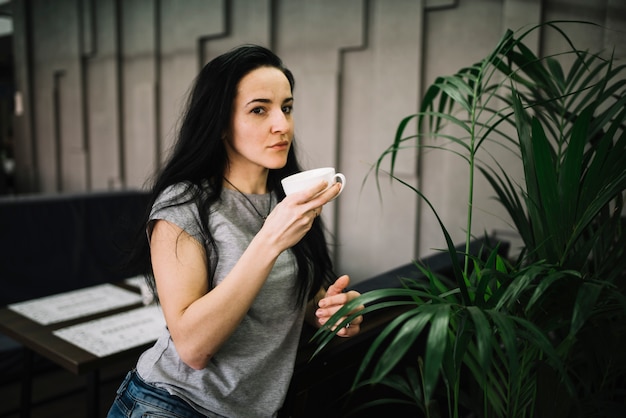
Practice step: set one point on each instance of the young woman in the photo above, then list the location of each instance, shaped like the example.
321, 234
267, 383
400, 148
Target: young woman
236, 265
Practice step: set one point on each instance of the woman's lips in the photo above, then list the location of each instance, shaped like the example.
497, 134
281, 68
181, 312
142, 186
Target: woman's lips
280, 145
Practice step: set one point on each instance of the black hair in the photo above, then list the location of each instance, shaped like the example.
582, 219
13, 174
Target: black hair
199, 159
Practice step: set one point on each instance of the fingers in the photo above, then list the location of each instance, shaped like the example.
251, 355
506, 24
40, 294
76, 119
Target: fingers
294, 216
307, 195
317, 212
340, 284
311, 201
330, 193
349, 329
335, 299
329, 305
352, 328
317, 195
335, 294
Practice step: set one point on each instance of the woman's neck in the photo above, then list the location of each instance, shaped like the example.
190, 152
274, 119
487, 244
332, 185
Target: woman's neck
249, 183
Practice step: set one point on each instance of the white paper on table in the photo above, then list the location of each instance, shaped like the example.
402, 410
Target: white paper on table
116, 333
135, 281
76, 304
140, 283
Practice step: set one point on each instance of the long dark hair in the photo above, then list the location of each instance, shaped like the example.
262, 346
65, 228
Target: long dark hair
198, 159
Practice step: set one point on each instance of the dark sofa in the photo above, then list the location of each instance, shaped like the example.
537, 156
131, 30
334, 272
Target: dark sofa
56, 243
53, 244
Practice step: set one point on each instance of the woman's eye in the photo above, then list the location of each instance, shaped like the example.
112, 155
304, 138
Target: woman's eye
258, 110
288, 109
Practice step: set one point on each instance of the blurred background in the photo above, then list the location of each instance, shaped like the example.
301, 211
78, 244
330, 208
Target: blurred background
91, 92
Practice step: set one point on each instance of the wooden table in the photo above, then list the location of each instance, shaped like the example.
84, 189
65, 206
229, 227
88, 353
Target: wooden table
37, 338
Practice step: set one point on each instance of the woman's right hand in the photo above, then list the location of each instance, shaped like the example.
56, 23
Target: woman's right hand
292, 218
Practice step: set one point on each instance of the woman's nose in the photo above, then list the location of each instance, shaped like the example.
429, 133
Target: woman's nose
281, 122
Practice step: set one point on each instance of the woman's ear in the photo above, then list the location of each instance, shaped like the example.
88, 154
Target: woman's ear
225, 137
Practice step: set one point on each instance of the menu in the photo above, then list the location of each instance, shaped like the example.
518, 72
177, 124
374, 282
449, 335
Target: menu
76, 304
116, 333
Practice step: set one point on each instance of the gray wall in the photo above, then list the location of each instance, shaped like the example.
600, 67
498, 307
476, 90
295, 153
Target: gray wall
102, 83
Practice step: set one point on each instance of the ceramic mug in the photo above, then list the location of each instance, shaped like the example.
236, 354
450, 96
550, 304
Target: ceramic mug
307, 179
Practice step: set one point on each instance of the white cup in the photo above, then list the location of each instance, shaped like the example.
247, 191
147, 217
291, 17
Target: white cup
307, 179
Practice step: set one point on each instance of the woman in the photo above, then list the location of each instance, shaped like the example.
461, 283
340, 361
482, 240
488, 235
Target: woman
236, 265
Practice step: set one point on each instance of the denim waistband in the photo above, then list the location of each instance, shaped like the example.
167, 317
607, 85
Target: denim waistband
143, 396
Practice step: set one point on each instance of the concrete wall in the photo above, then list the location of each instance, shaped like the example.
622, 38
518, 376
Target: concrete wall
102, 83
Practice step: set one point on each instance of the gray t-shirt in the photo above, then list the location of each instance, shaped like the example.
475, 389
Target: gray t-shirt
250, 374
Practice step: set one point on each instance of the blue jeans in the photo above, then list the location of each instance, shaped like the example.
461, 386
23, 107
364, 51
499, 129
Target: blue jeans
136, 398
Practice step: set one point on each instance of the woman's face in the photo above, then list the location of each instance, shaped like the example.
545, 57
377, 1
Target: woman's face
262, 123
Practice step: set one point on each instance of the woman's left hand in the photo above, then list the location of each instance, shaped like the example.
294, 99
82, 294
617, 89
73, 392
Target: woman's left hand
334, 300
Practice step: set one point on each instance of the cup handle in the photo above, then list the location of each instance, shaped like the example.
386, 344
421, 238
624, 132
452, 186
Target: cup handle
339, 177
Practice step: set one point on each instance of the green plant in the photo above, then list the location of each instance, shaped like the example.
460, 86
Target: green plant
501, 328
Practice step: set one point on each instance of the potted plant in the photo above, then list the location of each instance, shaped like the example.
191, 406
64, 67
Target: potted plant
536, 336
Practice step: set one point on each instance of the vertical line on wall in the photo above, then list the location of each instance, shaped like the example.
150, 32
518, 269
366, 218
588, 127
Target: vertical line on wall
157, 83
343, 52
542, 30
30, 96
88, 49
273, 15
87, 26
227, 18
56, 123
119, 76
420, 155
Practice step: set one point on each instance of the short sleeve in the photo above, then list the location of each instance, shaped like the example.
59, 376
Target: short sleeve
176, 205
